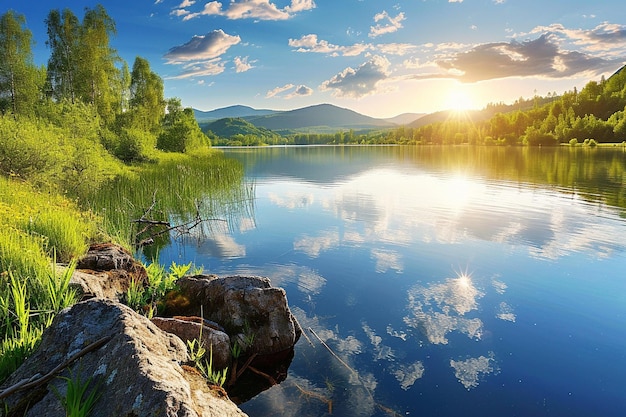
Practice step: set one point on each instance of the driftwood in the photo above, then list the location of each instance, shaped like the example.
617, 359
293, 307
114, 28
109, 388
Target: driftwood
164, 226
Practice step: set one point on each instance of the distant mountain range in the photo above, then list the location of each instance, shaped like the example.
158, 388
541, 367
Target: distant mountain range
321, 118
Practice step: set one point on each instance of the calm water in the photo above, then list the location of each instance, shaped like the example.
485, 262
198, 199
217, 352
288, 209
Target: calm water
448, 282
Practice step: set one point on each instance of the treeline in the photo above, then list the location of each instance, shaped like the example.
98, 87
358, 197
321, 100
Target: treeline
595, 114
86, 106
349, 137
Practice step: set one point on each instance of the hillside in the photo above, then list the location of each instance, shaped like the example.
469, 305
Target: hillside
231, 111
229, 127
405, 118
321, 115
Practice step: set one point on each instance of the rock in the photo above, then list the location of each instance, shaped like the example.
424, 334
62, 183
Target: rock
253, 312
188, 329
109, 256
137, 373
106, 272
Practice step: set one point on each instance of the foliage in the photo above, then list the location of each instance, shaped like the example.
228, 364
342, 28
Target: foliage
78, 401
19, 87
48, 155
181, 132
147, 299
81, 66
212, 375
227, 131
146, 102
35, 228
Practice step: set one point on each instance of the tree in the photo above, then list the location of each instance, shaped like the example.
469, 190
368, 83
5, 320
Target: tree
146, 103
98, 78
181, 132
63, 38
19, 89
82, 65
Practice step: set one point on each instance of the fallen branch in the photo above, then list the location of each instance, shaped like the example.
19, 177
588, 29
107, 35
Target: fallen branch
164, 226
31, 382
271, 380
333, 353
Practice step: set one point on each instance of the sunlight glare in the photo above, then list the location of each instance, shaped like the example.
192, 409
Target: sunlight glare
459, 100
464, 281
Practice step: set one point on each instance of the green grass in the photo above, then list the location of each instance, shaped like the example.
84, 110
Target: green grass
78, 400
36, 229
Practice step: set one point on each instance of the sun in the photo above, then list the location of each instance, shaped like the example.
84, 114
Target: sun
459, 100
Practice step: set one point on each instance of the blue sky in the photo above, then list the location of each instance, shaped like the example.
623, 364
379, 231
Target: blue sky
380, 58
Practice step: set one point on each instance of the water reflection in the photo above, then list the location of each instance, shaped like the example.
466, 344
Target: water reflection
469, 371
367, 251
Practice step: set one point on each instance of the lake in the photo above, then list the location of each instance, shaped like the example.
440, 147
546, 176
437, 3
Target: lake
442, 281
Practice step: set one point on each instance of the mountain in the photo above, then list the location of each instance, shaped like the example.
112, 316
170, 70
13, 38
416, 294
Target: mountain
405, 118
321, 117
444, 115
231, 111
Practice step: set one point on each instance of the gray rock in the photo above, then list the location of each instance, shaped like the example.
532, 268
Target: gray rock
136, 373
249, 308
188, 328
106, 271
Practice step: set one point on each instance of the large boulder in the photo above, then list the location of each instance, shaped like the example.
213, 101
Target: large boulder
254, 313
137, 373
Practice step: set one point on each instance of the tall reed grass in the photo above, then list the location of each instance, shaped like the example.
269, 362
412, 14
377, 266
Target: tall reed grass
36, 229
177, 189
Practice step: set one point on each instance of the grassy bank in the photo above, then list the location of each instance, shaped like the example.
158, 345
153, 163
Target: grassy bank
36, 228
40, 225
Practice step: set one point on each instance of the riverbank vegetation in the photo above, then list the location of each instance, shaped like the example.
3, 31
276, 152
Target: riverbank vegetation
69, 131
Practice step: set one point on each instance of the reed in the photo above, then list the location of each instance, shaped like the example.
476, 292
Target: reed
177, 189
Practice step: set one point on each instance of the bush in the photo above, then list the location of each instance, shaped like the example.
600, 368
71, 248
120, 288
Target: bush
573, 142
133, 145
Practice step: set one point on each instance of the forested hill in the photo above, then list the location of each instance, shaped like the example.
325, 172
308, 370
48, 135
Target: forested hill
321, 118
595, 114
237, 130
319, 115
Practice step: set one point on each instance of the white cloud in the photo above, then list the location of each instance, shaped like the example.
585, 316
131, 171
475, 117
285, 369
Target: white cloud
279, 90
396, 48
541, 57
248, 9
201, 69
300, 91
179, 12
202, 47
242, 64
359, 82
310, 43
392, 24
300, 6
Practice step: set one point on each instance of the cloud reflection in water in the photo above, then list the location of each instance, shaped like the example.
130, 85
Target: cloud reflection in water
439, 309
